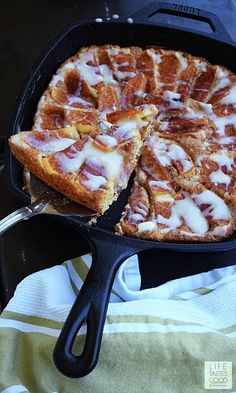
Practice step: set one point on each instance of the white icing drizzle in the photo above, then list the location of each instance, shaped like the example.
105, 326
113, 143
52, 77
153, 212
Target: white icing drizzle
147, 226
93, 182
221, 72
105, 125
149, 110
18, 140
218, 209
171, 95
192, 114
182, 61
38, 122
187, 210
207, 108
89, 73
203, 66
219, 176
226, 140
164, 126
128, 128
220, 230
41, 103
114, 51
221, 122
124, 64
133, 217
155, 56
222, 158
112, 162
60, 75
103, 114
73, 99
140, 93
173, 99
92, 74
125, 74
160, 183
166, 152
230, 98
164, 197
221, 84
107, 140
130, 20
50, 145
107, 74
141, 210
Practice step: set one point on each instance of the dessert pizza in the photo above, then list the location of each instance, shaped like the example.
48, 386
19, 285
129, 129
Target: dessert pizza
90, 168
168, 202
167, 114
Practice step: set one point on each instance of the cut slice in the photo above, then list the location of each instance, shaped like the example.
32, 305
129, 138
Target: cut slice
165, 159
106, 101
166, 205
217, 169
91, 171
160, 210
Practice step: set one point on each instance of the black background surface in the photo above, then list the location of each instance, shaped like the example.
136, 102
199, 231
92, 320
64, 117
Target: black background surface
26, 29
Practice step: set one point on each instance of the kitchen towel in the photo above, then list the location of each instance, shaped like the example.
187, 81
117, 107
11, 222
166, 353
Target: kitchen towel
179, 337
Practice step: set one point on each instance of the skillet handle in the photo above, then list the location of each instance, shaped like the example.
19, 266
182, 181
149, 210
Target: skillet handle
192, 12
90, 307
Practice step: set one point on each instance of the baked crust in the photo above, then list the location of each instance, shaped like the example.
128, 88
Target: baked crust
91, 171
167, 202
180, 104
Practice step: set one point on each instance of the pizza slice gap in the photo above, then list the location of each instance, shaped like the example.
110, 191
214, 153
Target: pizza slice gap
167, 205
89, 170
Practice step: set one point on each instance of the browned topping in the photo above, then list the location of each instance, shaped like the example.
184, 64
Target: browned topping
113, 94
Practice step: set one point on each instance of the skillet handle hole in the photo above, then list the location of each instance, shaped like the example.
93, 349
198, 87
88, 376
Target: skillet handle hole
189, 21
79, 342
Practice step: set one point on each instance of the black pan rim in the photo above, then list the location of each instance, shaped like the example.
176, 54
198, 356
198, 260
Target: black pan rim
228, 244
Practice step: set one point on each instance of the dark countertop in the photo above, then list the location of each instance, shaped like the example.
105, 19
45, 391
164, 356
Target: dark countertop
26, 29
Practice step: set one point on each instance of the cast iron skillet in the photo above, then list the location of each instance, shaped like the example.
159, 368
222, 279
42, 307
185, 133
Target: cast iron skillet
108, 249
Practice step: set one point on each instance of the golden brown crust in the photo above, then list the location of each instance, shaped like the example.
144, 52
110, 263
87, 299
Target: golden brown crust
171, 95
91, 171
167, 204
65, 184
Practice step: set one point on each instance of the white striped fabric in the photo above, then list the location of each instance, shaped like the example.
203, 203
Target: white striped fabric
194, 317
15, 389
